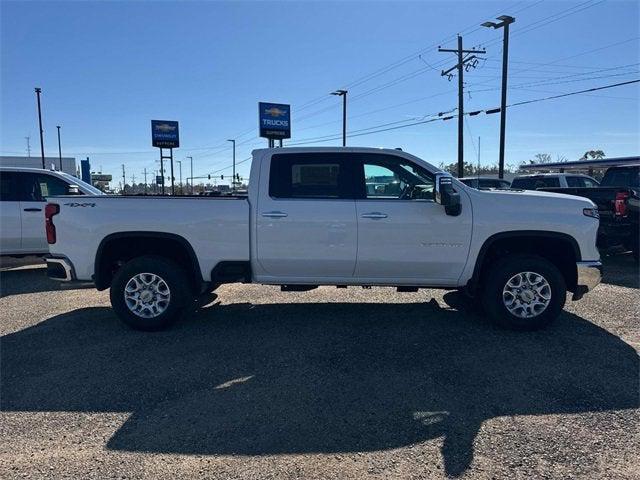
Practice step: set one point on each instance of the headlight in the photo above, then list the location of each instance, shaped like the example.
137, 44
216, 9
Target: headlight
591, 212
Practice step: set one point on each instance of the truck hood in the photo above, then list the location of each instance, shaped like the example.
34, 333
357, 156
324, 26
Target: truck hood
533, 195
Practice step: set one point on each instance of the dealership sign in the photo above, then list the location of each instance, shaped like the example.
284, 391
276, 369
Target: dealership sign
275, 120
164, 134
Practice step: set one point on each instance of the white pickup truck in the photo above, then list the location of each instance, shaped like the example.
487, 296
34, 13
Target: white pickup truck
331, 216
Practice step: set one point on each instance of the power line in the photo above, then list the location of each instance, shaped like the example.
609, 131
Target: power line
377, 128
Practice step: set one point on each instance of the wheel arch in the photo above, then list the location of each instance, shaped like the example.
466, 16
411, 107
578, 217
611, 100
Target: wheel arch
124, 246
560, 248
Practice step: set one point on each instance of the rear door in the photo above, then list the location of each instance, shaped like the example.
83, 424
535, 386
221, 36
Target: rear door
11, 225
306, 219
403, 235
35, 188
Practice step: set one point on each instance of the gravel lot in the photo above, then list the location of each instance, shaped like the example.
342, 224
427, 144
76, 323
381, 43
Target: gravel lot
344, 384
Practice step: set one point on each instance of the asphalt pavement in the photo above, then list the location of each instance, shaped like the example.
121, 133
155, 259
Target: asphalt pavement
327, 384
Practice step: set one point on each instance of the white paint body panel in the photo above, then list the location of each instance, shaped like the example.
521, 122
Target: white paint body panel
216, 228
327, 242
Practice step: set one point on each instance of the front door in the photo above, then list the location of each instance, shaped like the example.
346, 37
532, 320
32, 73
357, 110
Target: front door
306, 225
402, 233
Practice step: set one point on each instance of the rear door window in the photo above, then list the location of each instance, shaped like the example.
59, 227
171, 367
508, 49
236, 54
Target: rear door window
310, 175
36, 187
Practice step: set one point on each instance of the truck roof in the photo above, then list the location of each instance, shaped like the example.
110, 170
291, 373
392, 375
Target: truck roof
332, 149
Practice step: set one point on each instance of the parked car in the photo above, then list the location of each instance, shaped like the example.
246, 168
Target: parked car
484, 183
553, 180
310, 220
617, 201
23, 193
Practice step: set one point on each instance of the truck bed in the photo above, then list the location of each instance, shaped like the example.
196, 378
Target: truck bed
216, 227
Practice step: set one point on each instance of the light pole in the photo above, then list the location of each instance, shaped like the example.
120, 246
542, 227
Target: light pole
191, 158
343, 94
233, 178
505, 21
59, 148
38, 92
180, 174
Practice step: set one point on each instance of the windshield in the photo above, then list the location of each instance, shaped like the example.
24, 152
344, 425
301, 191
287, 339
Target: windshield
83, 185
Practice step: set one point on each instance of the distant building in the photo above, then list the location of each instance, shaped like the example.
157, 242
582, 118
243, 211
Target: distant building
101, 180
51, 163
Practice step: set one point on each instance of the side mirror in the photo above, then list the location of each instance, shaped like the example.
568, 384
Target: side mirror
446, 196
73, 190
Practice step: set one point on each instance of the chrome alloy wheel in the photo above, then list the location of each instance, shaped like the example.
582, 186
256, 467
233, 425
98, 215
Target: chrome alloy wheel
526, 294
147, 295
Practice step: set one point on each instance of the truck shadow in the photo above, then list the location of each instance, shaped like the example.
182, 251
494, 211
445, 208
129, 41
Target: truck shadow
300, 378
32, 279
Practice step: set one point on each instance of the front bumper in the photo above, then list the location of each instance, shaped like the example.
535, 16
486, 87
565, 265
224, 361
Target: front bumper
589, 276
60, 268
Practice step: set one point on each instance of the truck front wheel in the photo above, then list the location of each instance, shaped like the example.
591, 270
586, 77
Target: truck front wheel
523, 292
149, 293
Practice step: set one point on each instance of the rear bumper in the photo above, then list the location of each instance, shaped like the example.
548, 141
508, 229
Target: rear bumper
60, 268
589, 276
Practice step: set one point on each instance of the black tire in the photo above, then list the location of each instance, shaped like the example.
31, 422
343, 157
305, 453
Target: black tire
173, 276
499, 274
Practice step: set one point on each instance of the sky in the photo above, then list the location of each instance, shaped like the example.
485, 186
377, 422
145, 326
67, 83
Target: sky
107, 68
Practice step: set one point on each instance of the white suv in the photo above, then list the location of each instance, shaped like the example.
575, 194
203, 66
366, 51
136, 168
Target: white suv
552, 180
23, 193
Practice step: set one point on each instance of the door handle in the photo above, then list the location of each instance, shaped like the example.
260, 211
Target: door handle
374, 215
274, 214
32, 209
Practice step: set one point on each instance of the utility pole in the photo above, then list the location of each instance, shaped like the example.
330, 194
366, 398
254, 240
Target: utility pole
28, 146
124, 181
505, 21
145, 179
478, 171
59, 148
180, 174
343, 94
233, 178
38, 91
191, 158
460, 67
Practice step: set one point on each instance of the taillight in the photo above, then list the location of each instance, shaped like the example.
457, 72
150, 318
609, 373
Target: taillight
620, 204
49, 211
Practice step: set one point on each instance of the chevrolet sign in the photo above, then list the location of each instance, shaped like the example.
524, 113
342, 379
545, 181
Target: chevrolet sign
164, 134
275, 120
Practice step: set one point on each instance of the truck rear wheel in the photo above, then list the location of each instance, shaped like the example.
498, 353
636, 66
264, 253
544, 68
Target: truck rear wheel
149, 293
524, 292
